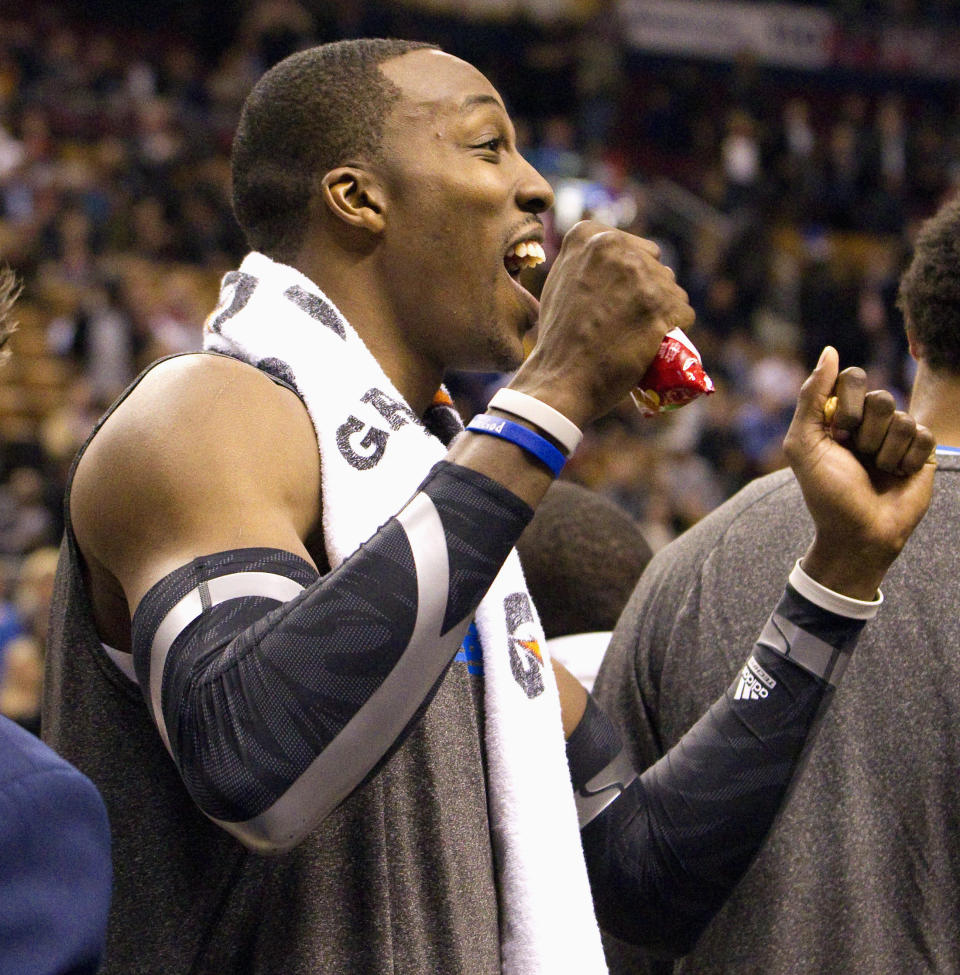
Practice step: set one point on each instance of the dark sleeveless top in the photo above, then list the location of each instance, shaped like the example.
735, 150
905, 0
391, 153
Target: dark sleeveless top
398, 879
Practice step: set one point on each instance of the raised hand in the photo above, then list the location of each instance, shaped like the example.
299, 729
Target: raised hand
866, 477
606, 305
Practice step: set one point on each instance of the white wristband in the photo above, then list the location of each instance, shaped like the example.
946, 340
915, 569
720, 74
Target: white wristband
539, 413
833, 602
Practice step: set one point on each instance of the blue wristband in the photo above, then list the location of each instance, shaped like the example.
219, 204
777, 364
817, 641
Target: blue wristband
531, 442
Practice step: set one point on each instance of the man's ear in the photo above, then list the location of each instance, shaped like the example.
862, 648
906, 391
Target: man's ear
916, 349
354, 196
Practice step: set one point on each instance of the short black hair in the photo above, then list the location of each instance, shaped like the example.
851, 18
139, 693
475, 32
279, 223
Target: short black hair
9, 292
929, 294
313, 111
581, 555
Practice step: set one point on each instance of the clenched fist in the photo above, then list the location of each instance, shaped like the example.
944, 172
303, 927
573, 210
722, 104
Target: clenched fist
866, 476
606, 305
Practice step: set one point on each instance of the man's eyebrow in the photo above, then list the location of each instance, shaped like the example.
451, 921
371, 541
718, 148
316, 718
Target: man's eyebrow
471, 101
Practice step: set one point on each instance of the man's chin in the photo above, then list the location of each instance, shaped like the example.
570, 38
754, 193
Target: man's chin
505, 352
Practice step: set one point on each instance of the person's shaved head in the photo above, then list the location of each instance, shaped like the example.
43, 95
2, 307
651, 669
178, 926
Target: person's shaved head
581, 556
312, 112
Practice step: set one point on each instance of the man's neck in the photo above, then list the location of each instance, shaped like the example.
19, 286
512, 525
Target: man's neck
935, 402
357, 294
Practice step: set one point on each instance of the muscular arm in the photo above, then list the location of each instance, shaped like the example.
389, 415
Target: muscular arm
276, 690
671, 845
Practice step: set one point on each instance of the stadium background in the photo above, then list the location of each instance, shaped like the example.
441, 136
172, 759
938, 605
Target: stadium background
781, 154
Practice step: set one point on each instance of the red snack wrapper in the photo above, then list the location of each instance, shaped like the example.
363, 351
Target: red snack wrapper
675, 377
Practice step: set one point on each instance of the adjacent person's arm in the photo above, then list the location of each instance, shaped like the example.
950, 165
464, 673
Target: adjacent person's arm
666, 848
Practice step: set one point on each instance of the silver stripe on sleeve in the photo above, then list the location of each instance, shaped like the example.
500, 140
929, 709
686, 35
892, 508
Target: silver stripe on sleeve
803, 648
218, 590
604, 787
363, 741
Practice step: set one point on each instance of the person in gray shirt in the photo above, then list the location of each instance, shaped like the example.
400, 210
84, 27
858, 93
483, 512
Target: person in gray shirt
861, 874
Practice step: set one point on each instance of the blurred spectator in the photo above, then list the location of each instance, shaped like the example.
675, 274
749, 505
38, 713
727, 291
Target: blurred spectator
11, 623
98, 336
64, 430
25, 520
556, 156
22, 683
179, 309
740, 151
785, 205
761, 423
599, 79
22, 678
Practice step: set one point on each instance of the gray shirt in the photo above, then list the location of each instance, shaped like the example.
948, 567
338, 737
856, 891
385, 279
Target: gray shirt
861, 875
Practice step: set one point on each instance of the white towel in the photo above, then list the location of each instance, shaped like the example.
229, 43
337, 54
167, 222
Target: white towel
374, 453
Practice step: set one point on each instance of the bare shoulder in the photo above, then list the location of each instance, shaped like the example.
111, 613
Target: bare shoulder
206, 453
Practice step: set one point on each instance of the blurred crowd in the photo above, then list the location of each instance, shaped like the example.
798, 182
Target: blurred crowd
785, 202
896, 11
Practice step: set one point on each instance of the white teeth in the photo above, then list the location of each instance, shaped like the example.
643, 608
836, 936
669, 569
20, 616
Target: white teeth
535, 253
530, 253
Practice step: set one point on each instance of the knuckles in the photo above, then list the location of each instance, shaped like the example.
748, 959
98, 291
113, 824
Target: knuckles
853, 376
902, 425
880, 402
925, 440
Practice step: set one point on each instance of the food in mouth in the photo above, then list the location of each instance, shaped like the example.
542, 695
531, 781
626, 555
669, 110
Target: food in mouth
528, 253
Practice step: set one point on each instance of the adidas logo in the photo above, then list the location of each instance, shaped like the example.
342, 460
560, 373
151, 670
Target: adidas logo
754, 683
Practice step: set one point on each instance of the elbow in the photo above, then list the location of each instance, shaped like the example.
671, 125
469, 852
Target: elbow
635, 903
678, 942
263, 842
264, 809
267, 823
267, 830
267, 798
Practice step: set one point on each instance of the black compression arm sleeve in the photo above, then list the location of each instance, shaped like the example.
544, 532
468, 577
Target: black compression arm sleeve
274, 709
664, 856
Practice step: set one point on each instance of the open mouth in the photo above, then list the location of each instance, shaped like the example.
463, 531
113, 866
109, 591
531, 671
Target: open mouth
528, 253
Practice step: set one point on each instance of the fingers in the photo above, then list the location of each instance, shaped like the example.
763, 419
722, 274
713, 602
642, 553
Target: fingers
659, 299
890, 438
879, 407
605, 307
850, 391
585, 229
660, 295
919, 452
652, 248
819, 384
682, 315
867, 421
906, 445
807, 422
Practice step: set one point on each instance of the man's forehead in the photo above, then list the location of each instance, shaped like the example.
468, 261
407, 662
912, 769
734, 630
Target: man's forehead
435, 81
